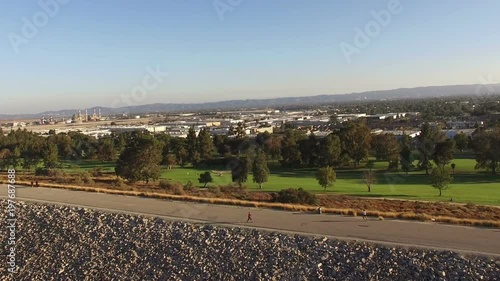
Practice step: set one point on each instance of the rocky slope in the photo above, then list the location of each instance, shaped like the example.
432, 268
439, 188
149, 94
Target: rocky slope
66, 243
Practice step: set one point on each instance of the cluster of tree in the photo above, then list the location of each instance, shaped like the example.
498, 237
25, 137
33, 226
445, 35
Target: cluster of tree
291, 147
351, 143
486, 145
139, 154
242, 166
432, 144
21, 148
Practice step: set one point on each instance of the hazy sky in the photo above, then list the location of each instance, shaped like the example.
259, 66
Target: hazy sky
97, 52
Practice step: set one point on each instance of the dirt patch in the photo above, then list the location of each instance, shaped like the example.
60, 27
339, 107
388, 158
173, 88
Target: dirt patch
433, 209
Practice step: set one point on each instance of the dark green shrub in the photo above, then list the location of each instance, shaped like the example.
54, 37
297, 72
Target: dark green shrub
295, 196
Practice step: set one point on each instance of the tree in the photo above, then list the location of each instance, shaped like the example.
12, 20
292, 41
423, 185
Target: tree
83, 146
14, 157
261, 139
231, 131
378, 145
443, 152
369, 178
405, 154
119, 141
64, 145
220, 143
326, 177
290, 152
344, 160
205, 178
105, 150
240, 168
393, 165
205, 145
427, 140
182, 156
330, 150
196, 158
370, 164
140, 159
240, 130
272, 146
453, 167
461, 141
260, 171
356, 137
192, 145
309, 150
486, 145
440, 179
169, 160
386, 147
4, 154
31, 153
50, 155
238, 146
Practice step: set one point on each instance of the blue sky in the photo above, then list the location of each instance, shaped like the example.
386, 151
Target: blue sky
96, 52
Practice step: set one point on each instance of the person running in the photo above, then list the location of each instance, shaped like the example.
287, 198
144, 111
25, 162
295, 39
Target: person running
364, 215
249, 218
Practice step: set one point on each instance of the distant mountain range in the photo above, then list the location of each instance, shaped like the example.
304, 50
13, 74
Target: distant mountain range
396, 94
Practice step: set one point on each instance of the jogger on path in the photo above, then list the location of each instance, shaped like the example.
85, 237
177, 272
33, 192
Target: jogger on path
249, 218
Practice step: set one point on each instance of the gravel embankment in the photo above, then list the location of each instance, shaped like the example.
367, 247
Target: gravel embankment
66, 243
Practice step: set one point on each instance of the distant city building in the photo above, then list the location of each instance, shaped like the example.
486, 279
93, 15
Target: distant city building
400, 133
463, 124
453, 132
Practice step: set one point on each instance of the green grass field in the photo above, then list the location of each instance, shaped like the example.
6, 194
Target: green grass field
469, 185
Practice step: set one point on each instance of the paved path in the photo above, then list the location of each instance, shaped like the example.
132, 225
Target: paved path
430, 235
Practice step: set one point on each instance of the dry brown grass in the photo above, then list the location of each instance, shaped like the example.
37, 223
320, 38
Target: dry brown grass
414, 209
395, 209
